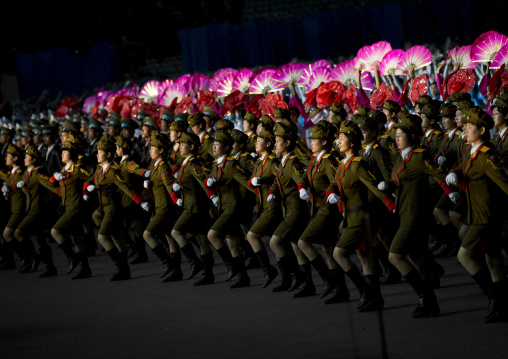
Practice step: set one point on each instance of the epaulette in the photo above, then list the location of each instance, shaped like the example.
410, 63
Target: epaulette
485, 149
291, 157
230, 158
115, 165
375, 146
384, 136
357, 159
458, 133
271, 157
419, 150
326, 156
244, 154
437, 132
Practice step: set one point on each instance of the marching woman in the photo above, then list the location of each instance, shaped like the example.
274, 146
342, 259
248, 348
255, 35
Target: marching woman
31, 224
158, 182
222, 188
11, 192
485, 180
68, 184
289, 171
414, 209
109, 215
324, 223
353, 181
269, 214
188, 185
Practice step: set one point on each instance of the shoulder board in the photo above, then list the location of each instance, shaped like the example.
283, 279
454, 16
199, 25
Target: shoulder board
292, 156
326, 156
437, 132
357, 159
419, 150
458, 133
271, 157
244, 154
206, 135
384, 136
230, 158
485, 149
375, 146
114, 165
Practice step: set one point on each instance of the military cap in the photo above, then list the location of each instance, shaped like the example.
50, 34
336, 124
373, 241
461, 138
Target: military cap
391, 106
250, 118
431, 109
178, 126
288, 123
84, 120
319, 133
127, 122
503, 94
123, 142
239, 136
224, 124
224, 137
190, 138
284, 131
158, 140
114, 121
464, 104
459, 96
69, 146
33, 151
447, 110
167, 116
362, 110
351, 128
95, 124
7, 131
338, 109
150, 122
68, 126
210, 112
196, 118
14, 150
500, 103
402, 115
281, 113
423, 100
76, 118
49, 129
266, 135
140, 115
378, 116
37, 129
182, 117
106, 144
412, 124
479, 117
367, 123
26, 132
358, 117
337, 120
266, 119
17, 136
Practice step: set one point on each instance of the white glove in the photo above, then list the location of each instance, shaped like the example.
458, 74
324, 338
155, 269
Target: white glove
210, 182
90, 188
382, 186
215, 200
147, 174
452, 179
256, 181
5, 189
270, 198
253, 154
179, 202
176, 175
145, 205
177, 187
454, 196
58, 176
85, 197
304, 194
146, 184
441, 160
20, 184
332, 198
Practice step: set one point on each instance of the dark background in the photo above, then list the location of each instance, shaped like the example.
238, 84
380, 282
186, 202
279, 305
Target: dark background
74, 48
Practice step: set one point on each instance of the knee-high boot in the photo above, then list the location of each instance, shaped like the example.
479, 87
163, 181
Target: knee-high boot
227, 258
47, 258
326, 275
84, 271
196, 265
243, 277
308, 289
340, 294
72, 257
122, 271
269, 271
427, 302
207, 276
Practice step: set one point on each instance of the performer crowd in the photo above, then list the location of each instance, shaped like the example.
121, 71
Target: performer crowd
397, 187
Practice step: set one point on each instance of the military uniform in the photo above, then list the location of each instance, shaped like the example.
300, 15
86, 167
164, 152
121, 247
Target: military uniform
14, 194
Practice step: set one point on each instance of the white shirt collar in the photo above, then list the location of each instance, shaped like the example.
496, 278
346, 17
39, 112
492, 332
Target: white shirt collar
68, 165
428, 132
284, 159
187, 159
201, 135
450, 133
404, 153
156, 162
369, 147
475, 148
501, 134
220, 159
105, 167
30, 169
344, 161
238, 154
248, 134
123, 158
263, 157
49, 150
320, 155
14, 169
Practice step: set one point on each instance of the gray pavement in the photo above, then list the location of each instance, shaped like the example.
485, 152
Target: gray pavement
145, 318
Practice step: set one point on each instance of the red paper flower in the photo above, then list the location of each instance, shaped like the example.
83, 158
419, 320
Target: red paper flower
419, 87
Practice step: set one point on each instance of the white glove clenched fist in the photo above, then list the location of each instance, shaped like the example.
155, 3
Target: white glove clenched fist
20, 184
210, 182
304, 194
58, 176
382, 186
332, 198
452, 179
177, 187
256, 181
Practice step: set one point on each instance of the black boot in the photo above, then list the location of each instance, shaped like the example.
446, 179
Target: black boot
391, 274
269, 271
122, 271
72, 257
142, 256
427, 302
243, 277
326, 275
340, 294
207, 276
371, 299
498, 303
7, 261
163, 255
176, 273
308, 289
84, 271
31, 259
226, 257
47, 258
251, 260
450, 239
196, 265
292, 276
359, 282
436, 238
285, 276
